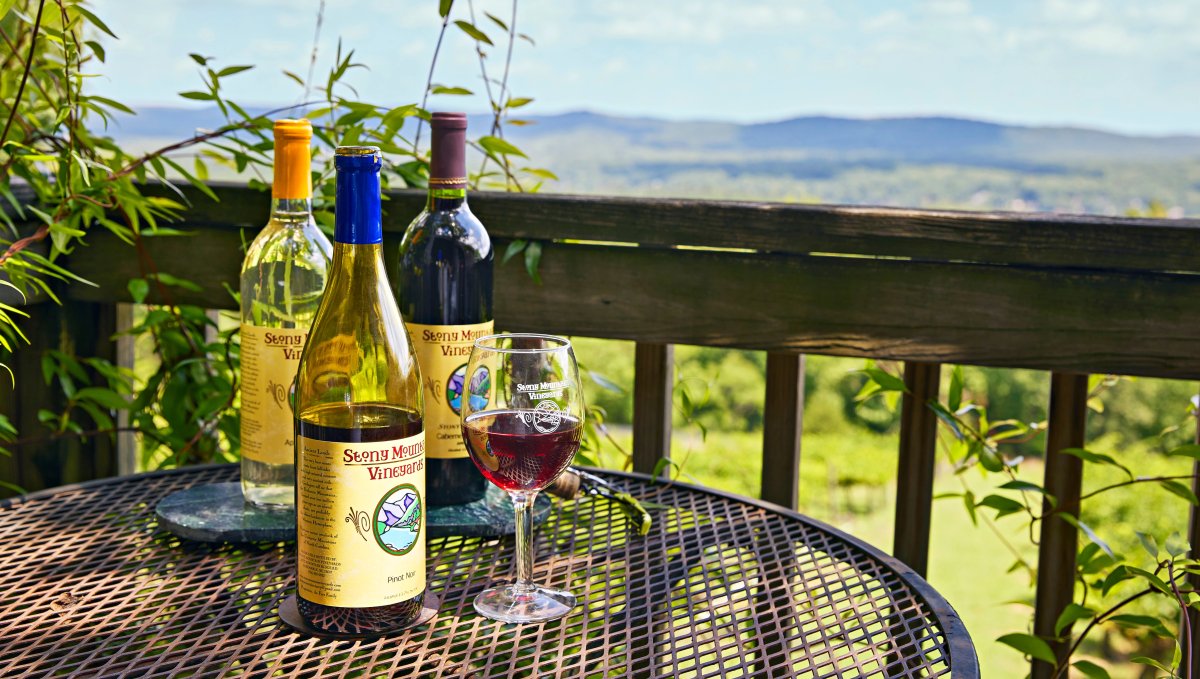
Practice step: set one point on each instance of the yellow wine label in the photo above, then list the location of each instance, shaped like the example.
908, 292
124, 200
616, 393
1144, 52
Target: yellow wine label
360, 518
443, 352
270, 357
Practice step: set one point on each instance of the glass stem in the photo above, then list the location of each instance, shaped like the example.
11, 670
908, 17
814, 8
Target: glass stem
523, 504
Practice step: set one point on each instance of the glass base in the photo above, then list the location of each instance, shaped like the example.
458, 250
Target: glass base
536, 604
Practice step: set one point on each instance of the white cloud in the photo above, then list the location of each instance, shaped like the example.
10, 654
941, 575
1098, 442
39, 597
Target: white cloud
708, 22
947, 7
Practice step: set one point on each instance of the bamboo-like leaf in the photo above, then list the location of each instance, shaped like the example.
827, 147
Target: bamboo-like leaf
498, 146
470, 29
92, 18
514, 248
533, 259
442, 89
232, 70
954, 398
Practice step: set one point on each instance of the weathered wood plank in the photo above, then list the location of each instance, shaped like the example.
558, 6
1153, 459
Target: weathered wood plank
783, 416
1025, 239
1066, 428
1001, 316
918, 453
42, 461
653, 383
1078, 321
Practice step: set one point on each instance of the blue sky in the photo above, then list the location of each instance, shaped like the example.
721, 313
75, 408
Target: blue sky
1114, 64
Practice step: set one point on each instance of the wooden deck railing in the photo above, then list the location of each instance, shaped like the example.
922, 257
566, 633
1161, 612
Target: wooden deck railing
1070, 295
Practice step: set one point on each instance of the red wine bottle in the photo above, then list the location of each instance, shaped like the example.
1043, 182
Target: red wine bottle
444, 288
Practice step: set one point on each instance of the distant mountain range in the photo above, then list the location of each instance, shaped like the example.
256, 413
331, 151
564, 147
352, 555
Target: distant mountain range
913, 138
911, 161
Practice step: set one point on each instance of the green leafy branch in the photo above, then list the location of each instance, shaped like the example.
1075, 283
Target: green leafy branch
973, 441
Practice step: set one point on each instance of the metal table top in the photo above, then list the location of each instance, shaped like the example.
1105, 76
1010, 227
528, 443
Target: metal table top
90, 585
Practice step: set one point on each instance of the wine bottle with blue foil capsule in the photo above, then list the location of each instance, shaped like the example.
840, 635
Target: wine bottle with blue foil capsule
360, 436
444, 286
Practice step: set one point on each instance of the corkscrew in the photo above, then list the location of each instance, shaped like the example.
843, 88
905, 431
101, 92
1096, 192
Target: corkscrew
575, 482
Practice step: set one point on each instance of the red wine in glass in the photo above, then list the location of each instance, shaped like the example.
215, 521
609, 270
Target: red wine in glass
513, 454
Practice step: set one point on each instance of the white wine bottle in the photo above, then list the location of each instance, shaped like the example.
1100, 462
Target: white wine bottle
282, 279
360, 436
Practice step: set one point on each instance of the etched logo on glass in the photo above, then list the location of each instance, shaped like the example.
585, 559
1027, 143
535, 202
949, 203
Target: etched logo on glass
546, 417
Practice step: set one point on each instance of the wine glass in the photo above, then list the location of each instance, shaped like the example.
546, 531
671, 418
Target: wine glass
522, 417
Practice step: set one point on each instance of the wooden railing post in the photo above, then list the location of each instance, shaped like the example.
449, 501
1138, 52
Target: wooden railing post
783, 416
1190, 663
1058, 546
126, 354
918, 451
653, 382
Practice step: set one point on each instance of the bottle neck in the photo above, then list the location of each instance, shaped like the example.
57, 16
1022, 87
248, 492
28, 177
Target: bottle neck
358, 262
292, 179
446, 200
357, 218
291, 210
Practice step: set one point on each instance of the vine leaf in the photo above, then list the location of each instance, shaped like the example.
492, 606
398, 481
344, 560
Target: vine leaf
1087, 530
1180, 490
138, 289
1188, 450
1143, 660
1098, 458
1090, 669
1148, 621
1003, 505
1070, 615
1029, 645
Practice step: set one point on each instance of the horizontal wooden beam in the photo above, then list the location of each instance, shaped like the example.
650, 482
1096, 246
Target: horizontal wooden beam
1076, 321
1010, 238
935, 313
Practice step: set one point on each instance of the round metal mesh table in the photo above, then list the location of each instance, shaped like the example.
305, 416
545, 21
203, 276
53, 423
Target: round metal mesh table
90, 585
